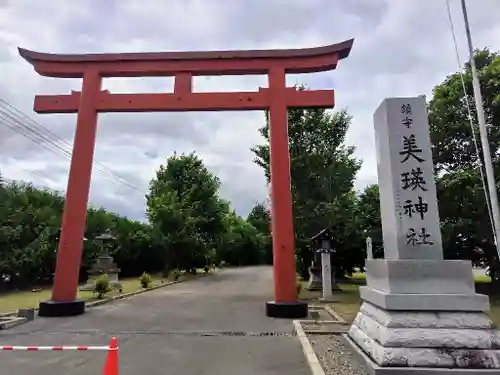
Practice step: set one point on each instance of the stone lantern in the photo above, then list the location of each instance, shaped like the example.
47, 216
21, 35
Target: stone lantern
322, 250
104, 264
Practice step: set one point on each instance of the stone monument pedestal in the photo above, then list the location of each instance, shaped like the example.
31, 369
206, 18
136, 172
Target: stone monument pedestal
315, 282
104, 265
424, 317
420, 313
89, 284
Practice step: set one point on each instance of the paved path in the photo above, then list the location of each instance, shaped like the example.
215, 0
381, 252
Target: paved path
231, 300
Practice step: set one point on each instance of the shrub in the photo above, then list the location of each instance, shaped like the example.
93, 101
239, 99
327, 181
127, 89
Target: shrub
145, 279
175, 274
101, 286
117, 286
166, 272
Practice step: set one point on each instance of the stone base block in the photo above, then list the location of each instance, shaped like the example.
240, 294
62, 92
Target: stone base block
57, 309
90, 284
287, 310
426, 340
314, 285
420, 276
86, 288
318, 286
373, 369
428, 302
427, 319
327, 299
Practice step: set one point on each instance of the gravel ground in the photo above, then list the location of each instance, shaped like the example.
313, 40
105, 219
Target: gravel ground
335, 358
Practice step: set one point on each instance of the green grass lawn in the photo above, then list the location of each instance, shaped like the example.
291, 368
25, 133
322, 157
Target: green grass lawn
347, 301
26, 299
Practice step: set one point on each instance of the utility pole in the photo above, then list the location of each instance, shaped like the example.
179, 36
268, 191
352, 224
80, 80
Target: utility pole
488, 165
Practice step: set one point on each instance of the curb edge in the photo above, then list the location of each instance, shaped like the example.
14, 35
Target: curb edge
307, 349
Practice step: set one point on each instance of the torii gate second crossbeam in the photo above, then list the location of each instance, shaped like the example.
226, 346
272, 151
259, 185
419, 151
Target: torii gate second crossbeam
92, 68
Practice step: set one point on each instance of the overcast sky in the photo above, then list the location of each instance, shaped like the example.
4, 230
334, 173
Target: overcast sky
401, 48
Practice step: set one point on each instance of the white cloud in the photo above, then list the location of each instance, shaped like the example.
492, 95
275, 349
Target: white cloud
401, 48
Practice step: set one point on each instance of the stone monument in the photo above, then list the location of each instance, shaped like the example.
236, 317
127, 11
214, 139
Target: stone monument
420, 313
315, 282
317, 267
369, 248
104, 265
322, 246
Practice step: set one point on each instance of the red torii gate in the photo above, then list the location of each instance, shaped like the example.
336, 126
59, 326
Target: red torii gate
183, 66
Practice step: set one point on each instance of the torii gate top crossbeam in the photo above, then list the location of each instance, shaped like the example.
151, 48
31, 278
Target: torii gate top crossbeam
306, 60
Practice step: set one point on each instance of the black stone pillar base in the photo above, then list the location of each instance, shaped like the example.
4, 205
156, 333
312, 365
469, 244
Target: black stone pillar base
287, 310
56, 309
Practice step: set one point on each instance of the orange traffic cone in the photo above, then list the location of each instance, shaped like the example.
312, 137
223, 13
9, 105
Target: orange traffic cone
111, 366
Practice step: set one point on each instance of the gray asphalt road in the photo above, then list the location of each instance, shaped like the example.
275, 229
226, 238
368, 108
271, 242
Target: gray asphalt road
157, 333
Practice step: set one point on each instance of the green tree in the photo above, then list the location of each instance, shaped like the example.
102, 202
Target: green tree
368, 213
184, 205
30, 219
451, 135
464, 216
462, 203
260, 219
242, 244
323, 170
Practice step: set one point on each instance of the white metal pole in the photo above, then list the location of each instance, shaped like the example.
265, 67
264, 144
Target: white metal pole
488, 165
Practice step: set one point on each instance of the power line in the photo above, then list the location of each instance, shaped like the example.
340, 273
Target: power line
32, 173
471, 121
483, 132
59, 140
44, 137
27, 127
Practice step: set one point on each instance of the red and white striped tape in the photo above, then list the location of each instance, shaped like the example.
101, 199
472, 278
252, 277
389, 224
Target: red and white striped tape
59, 348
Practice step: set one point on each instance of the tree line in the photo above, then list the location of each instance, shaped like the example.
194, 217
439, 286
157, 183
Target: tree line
190, 225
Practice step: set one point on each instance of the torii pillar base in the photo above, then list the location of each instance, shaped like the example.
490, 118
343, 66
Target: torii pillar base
286, 310
58, 309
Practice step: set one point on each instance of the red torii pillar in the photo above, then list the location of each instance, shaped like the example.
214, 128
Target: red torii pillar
183, 66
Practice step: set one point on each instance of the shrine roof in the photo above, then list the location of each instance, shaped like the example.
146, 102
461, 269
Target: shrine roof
342, 50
